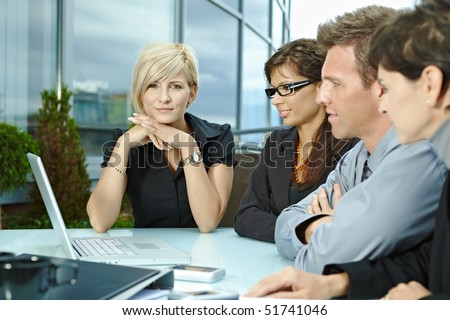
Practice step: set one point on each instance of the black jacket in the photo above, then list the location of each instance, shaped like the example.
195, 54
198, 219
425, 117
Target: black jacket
429, 264
268, 192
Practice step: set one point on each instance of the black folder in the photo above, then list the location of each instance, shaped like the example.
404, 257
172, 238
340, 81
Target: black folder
103, 281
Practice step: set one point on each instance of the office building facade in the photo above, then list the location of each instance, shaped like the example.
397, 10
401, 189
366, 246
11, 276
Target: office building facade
91, 46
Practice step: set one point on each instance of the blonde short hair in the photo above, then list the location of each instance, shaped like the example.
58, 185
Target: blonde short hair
161, 61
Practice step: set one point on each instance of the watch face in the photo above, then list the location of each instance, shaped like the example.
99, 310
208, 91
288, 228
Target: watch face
196, 157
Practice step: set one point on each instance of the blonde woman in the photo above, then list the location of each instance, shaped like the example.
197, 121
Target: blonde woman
176, 168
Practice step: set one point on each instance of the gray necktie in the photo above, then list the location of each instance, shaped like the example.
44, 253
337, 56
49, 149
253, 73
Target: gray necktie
366, 172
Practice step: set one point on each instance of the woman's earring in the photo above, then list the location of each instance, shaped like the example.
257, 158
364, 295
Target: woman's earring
188, 103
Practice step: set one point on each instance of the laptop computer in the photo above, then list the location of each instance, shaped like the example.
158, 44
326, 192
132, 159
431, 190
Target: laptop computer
131, 250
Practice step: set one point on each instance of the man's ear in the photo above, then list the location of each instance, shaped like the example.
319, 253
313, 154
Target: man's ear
381, 93
377, 89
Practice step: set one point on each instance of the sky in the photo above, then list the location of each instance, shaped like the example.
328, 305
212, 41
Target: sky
307, 15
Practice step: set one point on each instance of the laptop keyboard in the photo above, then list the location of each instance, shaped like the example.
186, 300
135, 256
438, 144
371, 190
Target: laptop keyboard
103, 247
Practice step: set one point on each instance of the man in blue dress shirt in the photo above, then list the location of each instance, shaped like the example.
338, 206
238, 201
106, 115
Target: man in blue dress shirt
382, 197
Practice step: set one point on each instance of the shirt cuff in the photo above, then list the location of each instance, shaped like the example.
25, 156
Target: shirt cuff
301, 228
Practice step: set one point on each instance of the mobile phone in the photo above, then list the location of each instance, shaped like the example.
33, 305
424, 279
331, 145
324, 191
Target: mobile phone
198, 273
211, 294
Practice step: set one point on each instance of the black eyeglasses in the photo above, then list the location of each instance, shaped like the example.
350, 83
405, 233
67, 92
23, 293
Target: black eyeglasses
287, 88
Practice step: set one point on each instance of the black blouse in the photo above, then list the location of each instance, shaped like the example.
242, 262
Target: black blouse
158, 197
271, 189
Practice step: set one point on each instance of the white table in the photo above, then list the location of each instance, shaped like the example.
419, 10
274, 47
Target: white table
246, 261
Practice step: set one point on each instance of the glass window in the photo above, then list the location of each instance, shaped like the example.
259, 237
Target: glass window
101, 42
214, 36
287, 5
27, 58
255, 109
257, 13
107, 36
232, 3
277, 25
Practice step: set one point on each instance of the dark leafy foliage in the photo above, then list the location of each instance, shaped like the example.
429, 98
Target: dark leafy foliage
14, 146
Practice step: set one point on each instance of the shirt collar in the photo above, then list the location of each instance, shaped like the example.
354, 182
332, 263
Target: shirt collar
387, 143
203, 130
439, 140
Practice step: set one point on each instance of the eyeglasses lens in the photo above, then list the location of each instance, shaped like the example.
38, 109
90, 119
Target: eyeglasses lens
287, 88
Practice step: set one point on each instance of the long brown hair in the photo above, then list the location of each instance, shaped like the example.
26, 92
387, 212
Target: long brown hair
306, 58
325, 152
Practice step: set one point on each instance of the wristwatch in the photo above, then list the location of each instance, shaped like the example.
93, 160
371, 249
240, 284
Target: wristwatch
194, 158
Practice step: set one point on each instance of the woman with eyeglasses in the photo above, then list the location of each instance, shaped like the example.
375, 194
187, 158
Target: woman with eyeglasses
176, 168
297, 159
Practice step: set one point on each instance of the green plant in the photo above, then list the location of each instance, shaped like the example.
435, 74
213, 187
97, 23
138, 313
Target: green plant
14, 146
62, 156
24, 219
